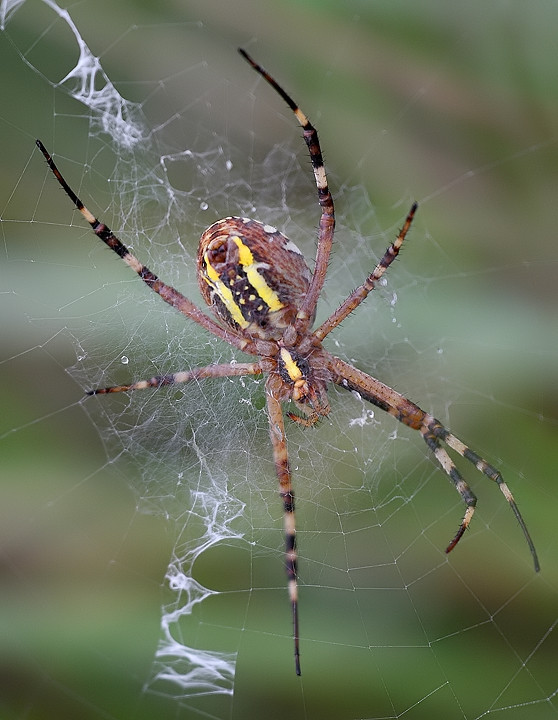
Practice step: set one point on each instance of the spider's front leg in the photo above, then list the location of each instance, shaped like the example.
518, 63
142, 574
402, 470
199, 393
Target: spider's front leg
434, 433
281, 460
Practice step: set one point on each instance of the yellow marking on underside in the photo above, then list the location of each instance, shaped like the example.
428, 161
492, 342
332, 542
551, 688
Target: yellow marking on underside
290, 365
256, 280
224, 293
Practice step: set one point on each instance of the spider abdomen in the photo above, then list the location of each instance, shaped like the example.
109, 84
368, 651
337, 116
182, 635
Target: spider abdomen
252, 276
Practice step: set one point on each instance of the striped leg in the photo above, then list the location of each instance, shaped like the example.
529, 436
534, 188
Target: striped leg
307, 309
434, 432
279, 444
454, 475
361, 292
166, 292
209, 371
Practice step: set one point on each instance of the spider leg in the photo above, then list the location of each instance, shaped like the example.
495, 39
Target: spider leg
433, 433
209, 371
361, 292
280, 457
439, 431
454, 475
169, 294
307, 309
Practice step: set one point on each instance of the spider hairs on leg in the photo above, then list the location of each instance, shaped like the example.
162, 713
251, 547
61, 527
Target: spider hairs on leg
264, 297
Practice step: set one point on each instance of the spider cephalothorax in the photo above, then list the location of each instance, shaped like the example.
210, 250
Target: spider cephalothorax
264, 297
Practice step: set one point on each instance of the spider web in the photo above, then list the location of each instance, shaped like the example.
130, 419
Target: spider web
167, 529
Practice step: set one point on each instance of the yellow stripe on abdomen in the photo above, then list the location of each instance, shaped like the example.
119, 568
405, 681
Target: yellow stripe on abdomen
224, 293
256, 280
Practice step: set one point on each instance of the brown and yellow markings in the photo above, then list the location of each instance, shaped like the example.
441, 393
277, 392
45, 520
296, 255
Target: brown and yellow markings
255, 278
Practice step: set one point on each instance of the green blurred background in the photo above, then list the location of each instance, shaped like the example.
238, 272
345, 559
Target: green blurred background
455, 105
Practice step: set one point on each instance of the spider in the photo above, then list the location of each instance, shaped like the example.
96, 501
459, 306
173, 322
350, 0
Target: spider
264, 298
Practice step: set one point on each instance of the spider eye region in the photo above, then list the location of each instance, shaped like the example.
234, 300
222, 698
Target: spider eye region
251, 276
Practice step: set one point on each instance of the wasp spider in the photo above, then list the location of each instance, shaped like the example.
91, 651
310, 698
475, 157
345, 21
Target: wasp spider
264, 297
